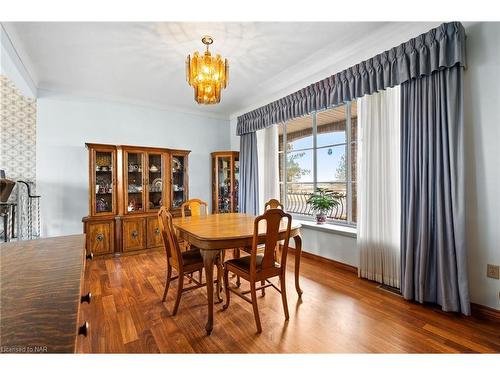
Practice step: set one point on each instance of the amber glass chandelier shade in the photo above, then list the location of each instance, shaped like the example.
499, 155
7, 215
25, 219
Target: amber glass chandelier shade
208, 75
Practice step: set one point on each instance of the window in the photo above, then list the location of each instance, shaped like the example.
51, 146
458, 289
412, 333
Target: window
319, 151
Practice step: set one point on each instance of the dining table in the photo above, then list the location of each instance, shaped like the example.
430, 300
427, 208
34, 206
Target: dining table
214, 233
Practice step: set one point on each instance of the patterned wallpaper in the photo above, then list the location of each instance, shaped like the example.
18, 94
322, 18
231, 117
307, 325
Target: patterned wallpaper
17, 133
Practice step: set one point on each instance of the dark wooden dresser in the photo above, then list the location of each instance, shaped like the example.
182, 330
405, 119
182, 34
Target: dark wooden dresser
41, 294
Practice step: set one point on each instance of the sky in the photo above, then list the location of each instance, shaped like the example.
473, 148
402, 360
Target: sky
327, 163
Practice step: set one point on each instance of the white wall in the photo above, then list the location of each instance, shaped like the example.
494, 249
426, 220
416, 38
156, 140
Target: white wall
233, 138
66, 123
341, 248
482, 174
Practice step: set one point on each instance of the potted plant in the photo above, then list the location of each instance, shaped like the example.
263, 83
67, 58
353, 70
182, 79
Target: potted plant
322, 201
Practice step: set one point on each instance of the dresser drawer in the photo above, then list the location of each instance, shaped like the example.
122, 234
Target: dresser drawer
154, 235
100, 237
134, 234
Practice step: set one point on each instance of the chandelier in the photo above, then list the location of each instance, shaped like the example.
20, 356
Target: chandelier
208, 75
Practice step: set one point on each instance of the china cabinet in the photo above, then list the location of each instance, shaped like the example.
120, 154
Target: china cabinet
127, 186
225, 179
102, 171
179, 177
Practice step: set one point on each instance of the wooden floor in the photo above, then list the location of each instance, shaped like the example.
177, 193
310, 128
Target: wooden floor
338, 313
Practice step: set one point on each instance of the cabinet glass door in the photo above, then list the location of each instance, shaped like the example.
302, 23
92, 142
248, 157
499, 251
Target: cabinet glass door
178, 170
236, 183
155, 181
103, 192
134, 181
224, 184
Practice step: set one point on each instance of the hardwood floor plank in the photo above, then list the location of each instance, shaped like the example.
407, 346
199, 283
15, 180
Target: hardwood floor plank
108, 305
458, 339
127, 326
338, 313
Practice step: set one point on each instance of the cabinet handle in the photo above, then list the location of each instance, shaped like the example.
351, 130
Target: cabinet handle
134, 234
86, 298
100, 237
83, 329
157, 231
89, 256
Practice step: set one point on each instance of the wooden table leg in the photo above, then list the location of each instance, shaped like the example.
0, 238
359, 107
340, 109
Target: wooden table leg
298, 253
209, 257
237, 255
220, 272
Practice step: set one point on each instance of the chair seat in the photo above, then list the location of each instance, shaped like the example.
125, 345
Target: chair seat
192, 256
243, 263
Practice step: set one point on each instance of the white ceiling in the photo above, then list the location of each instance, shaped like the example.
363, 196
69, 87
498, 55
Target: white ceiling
143, 63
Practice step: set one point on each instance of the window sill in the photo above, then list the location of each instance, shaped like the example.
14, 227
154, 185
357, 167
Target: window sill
330, 228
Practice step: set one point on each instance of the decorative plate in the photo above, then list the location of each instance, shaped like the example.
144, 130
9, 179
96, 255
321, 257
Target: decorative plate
176, 164
156, 184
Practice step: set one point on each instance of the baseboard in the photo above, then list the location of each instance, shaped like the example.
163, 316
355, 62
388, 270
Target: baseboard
485, 312
319, 258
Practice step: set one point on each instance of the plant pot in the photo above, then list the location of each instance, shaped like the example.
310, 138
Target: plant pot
320, 218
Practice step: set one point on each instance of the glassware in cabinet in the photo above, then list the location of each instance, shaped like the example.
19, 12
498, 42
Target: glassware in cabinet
224, 184
178, 180
236, 180
225, 178
103, 174
134, 181
155, 181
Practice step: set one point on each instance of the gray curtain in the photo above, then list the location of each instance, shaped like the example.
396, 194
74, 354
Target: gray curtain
433, 254
248, 191
442, 47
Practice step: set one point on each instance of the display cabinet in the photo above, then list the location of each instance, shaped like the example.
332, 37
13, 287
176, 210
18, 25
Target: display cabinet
102, 180
134, 180
225, 179
179, 178
145, 179
128, 185
155, 180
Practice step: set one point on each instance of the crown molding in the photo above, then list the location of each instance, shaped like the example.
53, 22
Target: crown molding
46, 91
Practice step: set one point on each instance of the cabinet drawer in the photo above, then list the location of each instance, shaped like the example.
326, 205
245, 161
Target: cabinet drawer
100, 237
134, 234
154, 234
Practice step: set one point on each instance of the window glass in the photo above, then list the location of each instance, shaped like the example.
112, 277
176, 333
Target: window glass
297, 195
331, 126
299, 166
299, 133
339, 212
331, 165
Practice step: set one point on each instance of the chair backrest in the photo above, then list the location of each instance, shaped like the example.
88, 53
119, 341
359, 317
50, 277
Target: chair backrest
196, 206
273, 203
170, 242
272, 218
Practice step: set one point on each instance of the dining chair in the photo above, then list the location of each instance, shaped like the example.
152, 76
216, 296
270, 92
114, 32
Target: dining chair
185, 263
196, 206
273, 203
261, 267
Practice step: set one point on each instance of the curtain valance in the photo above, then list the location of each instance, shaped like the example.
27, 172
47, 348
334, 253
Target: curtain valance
439, 48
